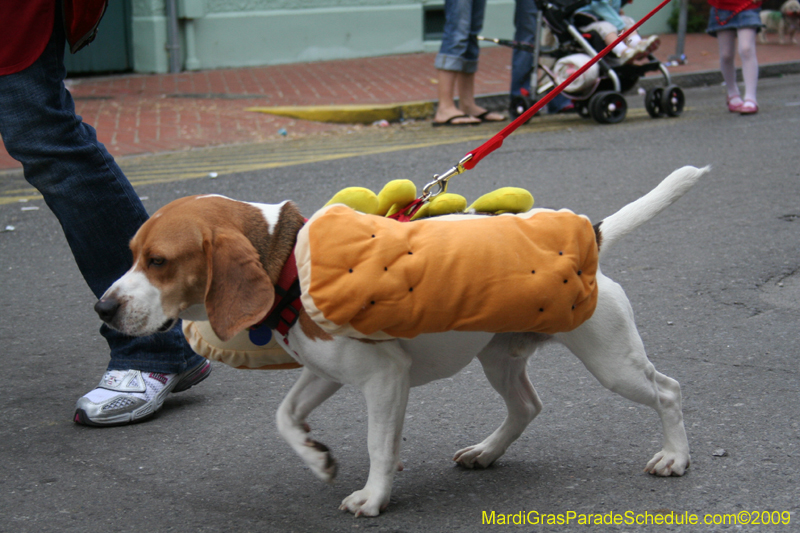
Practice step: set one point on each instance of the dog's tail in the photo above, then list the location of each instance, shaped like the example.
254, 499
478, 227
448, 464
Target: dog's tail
633, 215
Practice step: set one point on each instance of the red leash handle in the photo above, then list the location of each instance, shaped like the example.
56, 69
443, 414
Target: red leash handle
495, 142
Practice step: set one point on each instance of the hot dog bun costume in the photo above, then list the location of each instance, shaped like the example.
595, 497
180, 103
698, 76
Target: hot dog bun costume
367, 276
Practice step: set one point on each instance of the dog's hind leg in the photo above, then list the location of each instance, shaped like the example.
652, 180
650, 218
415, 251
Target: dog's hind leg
307, 393
609, 346
504, 362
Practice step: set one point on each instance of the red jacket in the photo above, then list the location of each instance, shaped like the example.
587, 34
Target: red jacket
29, 24
81, 18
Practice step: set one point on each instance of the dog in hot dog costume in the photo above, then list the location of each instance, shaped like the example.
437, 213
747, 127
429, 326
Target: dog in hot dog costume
258, 348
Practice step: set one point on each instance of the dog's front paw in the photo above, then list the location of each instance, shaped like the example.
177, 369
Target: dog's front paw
364, 503
319, 459
480, 456
668, 464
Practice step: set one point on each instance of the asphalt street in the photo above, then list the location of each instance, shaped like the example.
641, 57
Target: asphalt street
714, 282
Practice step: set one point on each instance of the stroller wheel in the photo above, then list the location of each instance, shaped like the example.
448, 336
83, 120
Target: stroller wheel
608, 107
518, 105
672, 100
582, 108
652, 102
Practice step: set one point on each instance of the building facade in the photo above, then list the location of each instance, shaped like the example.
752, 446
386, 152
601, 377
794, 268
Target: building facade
211, 34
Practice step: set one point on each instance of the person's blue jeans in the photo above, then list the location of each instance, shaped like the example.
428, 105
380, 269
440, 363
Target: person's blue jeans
521, 60
463, 20
90, 196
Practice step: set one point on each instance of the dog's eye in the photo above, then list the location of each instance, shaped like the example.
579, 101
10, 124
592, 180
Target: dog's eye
156, 261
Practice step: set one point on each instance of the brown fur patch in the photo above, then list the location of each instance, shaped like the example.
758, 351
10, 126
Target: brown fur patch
598, 235
311, 329
257, 231
274, 245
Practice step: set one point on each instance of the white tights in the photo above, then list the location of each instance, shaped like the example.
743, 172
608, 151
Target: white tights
747, 53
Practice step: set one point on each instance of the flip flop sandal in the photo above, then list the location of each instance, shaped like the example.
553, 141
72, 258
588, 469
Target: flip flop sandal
483, 117
449, 122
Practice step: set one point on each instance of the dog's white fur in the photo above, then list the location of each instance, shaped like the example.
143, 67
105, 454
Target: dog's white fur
177, 271
786, 20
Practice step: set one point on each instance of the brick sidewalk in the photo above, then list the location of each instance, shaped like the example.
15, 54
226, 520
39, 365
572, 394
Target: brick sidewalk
139, 114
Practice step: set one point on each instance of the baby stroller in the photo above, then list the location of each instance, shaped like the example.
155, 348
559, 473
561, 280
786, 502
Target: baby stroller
598, 92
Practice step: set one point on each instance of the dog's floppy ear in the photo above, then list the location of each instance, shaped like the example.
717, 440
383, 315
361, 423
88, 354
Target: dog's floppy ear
238, 291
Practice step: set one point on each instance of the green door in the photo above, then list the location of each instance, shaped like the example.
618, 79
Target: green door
111, 49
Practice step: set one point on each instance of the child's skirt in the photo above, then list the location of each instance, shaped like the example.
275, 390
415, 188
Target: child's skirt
721, 20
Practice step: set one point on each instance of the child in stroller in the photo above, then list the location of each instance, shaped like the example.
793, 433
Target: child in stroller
606, 18
561, 49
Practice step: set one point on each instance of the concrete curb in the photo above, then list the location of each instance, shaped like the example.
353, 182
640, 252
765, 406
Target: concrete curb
368, 114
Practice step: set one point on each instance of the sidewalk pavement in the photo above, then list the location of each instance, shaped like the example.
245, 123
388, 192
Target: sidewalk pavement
137, 114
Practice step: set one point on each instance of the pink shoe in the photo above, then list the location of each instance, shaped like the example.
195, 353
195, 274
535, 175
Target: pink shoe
735, 103
749, 107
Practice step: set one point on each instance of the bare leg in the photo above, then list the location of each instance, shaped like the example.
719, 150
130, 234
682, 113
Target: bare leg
446, 108
505, 367
466, 99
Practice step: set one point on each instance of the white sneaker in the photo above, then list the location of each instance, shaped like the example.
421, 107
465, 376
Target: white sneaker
125, 396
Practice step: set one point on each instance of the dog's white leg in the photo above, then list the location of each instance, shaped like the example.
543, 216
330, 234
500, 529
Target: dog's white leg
386, 391
309, 392
504, 362
610, 347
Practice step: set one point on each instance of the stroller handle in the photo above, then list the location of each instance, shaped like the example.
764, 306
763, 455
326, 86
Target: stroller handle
565, 6
517, 45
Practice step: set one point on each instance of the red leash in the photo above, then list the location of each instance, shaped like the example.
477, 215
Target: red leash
474, 157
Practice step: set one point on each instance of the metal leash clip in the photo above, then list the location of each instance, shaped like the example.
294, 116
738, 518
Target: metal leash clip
441, 180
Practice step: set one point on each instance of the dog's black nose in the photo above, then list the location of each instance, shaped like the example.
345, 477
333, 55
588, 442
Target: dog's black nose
106, 308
